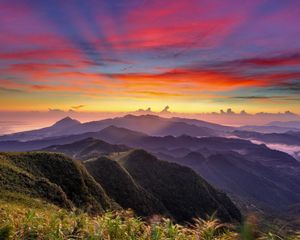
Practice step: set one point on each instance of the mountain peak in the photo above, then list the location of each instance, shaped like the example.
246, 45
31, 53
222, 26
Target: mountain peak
121, 130
66, 122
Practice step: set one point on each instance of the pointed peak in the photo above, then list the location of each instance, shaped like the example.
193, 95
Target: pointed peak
66, 122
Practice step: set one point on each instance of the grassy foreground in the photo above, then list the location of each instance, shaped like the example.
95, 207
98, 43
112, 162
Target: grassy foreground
22, 217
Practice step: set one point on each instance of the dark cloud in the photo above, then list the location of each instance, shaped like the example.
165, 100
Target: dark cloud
281, 60
144, 111
55, 110
166, 110
10, 90
78, 107
257, 97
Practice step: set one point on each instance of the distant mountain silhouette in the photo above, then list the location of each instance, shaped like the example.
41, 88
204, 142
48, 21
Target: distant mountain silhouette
119, 135
56, 129
110, 134
148, 124
200, 123
65, 122
268, 128
288, 138
291, 124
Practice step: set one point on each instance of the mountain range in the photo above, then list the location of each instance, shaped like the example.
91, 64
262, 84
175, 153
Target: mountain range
244, 170
252, 175
287, 138
148, 124
293, 124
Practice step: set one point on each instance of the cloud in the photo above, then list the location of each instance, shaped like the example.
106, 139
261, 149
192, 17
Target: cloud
55, 110
228, 112
292, 59
150, 50
78, 107
10, 90
260, 97
144, 111
165, 110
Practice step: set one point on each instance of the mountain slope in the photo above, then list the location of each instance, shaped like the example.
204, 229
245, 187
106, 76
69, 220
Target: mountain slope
56, 129
236, 175
183, 192
54, 178
121, 187
118, 135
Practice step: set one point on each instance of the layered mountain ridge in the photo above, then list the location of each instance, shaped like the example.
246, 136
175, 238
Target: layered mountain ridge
106, 184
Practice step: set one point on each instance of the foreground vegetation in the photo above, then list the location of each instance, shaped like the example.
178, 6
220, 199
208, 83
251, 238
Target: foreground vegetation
22, 217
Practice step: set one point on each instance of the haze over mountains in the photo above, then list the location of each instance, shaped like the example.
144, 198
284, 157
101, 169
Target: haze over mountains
252, 175
12, 121
149, 124
233, 165
288, 138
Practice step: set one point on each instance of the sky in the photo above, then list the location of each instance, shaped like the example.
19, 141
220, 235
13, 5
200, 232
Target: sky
118, 56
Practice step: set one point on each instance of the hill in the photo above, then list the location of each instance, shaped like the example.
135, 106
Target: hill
184, 194
87, 148
121, 187
54, 178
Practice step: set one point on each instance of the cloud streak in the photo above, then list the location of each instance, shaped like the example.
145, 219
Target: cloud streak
179, 51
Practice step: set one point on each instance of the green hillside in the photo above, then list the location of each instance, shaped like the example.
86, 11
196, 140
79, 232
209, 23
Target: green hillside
54, 178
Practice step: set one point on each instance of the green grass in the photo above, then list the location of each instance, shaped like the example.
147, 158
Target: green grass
36, 187
22, 217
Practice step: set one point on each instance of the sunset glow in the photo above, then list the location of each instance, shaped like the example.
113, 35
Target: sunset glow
112, 56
